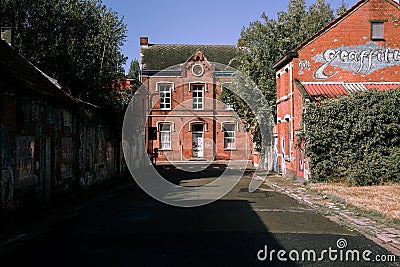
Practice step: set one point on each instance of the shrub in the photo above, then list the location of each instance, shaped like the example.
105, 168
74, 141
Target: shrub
354, 137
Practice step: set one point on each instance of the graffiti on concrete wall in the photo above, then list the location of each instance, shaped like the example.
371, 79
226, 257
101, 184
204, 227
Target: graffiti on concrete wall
25, 165
6, 148
67, 117
67, 157
362, 59
7, 161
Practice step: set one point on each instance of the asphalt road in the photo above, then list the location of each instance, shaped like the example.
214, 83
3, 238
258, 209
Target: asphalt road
129, 228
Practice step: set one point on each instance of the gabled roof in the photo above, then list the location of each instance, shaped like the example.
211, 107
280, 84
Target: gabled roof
21, 77
162, 56
293, 54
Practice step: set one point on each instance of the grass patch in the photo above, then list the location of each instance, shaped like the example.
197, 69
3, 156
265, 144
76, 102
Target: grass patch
383, 199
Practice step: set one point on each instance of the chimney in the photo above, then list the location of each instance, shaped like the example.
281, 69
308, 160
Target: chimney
144, 41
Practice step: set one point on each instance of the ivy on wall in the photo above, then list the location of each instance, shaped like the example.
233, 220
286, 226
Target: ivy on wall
354, 138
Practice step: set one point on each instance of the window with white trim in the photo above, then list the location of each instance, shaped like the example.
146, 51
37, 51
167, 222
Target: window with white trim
164, 90
229, 135
198, 96
165, 136
224, 86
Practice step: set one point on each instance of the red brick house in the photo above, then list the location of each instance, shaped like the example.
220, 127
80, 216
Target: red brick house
186, 121
358, 51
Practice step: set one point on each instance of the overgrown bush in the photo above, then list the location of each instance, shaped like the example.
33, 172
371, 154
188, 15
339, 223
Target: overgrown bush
355, 138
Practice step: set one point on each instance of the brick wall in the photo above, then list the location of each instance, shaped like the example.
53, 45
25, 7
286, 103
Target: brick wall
182, 116
343, 52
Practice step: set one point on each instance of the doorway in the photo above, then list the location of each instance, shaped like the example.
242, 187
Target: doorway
197, 141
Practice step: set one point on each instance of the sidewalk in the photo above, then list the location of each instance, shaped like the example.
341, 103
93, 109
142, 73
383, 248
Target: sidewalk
371, 227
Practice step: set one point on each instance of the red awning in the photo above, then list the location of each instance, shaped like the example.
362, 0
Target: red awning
333, 90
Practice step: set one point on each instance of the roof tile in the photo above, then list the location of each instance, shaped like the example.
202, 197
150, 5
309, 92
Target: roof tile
162, 56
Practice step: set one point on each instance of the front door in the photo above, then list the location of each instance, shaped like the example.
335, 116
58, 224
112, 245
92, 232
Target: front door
197, 141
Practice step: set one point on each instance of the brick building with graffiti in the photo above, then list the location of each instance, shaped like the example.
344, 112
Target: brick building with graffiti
186, 121
360, 50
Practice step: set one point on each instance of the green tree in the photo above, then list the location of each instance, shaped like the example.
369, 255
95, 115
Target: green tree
319, 14
266, 41
133, 72
341, 9
75, 41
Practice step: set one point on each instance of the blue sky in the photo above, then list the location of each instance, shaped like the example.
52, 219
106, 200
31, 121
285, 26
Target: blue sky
194, 22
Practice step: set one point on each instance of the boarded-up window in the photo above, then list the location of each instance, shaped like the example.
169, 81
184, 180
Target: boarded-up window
377, 31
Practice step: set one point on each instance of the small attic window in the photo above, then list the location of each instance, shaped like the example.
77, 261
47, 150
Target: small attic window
377, 32
198, 56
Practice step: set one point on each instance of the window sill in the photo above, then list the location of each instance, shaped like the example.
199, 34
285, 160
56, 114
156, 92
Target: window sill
378, 39
230, 149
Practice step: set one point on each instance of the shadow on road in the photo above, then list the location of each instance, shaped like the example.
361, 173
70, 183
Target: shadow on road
177, 173
127, 231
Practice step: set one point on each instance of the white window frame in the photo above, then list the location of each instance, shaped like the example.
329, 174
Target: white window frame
197, 83
229, 137
165, 82
163, 132
205, 125
171, 89
226, 106
198, 98
170, 122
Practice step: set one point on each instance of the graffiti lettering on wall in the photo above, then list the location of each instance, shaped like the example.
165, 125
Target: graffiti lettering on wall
304, 65
67, 157
25, 165
362, 59
7, 160
7, 179
7, 188
67, 116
